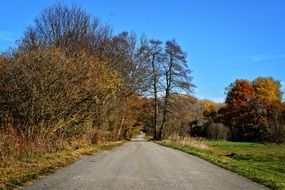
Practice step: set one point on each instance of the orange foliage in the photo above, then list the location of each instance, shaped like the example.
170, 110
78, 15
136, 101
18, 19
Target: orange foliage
239, 93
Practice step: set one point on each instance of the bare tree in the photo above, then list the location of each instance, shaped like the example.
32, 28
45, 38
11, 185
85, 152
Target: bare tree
156, 58
177, 77
70, 28
59, 24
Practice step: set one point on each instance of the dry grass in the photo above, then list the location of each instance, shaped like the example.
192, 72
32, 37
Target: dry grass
16, 173
15, 144
26, 156
199, 143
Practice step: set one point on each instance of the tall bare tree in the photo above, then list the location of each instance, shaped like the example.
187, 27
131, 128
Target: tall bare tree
156, 58
177, 77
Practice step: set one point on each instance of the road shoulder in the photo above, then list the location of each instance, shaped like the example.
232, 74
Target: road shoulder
16, 174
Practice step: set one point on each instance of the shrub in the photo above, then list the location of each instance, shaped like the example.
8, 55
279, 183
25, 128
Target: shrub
218, 131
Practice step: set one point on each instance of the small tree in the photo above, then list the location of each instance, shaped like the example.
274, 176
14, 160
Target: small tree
268, 107
236, 113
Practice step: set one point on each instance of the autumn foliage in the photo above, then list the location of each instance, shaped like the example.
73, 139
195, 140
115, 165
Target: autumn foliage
239, 93
69, 81
254, 110
72, 81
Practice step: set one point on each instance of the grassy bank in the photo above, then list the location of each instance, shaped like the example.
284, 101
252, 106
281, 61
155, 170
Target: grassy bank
262, 163
16, 173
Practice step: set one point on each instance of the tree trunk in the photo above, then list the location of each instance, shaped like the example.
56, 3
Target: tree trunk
121, 126
164, 117
155, 98
162, 125
168, 76
155, 117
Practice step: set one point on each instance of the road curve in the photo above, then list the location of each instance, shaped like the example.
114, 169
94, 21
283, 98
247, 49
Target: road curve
143, 165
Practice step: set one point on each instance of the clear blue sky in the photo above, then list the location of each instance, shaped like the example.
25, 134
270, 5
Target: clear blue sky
224, 39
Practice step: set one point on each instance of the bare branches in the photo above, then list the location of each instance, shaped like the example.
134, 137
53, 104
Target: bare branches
176, 77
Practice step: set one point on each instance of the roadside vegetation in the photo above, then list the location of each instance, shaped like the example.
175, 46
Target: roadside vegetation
262, 163
71, 82
15, 173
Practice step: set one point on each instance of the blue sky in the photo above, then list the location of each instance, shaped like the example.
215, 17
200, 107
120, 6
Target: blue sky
225, 40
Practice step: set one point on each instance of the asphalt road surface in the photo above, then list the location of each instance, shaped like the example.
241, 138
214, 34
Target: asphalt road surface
143, 165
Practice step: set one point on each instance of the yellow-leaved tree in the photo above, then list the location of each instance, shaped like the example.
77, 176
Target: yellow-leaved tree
267, 89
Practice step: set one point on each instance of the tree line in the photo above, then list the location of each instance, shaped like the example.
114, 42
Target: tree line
253, 111
71, 76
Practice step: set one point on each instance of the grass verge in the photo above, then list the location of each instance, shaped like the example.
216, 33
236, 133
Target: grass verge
17, 173
262, 163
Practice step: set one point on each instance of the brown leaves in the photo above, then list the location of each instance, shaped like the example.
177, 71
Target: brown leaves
48, 88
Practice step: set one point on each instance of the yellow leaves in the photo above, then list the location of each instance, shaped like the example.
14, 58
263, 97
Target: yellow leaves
267, 89
99, 74
208, 105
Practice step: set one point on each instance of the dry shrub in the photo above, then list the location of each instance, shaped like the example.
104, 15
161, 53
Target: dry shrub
46, 88
277, 133
174, 137
98, 136
15, 144
218, 131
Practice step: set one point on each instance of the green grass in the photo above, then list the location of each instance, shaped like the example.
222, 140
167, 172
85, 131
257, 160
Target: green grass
262, 163
16, 173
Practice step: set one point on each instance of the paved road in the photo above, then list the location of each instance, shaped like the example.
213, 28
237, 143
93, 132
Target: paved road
143, 165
